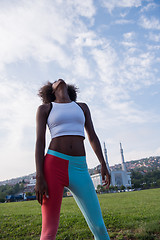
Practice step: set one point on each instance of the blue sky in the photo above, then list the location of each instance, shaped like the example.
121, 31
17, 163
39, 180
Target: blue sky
110, 49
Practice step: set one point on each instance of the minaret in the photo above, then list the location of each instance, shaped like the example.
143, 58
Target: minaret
123, 162
106, 157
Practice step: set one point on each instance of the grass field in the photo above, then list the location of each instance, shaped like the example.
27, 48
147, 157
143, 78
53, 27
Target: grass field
130, 215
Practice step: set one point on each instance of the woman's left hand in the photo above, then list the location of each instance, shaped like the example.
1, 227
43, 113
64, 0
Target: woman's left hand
106, 177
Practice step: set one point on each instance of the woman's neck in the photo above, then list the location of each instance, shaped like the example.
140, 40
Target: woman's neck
62, 96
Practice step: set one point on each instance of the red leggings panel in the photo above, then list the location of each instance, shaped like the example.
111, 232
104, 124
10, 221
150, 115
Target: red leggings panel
56, 175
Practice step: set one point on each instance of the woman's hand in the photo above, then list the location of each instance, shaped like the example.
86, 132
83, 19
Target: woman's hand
106, 177
41, 188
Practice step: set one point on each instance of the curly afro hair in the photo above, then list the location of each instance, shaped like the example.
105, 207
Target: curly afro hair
47, 95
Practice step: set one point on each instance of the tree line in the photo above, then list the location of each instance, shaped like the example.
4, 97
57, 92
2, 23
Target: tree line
10, 190
146, 180
139, 179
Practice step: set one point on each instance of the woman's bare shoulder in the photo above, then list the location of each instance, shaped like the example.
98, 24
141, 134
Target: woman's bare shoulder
44, 108
83, 105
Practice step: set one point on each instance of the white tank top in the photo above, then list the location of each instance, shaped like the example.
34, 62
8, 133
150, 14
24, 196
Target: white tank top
66, 119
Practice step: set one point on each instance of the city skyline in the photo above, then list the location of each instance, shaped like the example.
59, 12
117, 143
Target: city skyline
108, 49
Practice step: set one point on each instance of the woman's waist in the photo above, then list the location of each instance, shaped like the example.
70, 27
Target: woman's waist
70, 145
76, 163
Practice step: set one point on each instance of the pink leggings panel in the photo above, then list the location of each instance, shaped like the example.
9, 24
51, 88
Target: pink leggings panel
56, 174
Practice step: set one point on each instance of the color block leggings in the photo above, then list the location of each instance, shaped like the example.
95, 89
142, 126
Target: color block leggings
70, 171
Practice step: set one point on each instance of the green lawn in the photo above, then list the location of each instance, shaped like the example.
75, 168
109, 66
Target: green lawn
131, 215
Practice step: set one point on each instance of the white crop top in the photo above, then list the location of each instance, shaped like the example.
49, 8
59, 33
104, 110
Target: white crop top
66, 119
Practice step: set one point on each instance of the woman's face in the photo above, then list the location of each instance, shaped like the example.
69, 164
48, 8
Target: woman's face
56, 84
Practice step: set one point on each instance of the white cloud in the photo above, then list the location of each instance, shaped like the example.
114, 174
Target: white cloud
128, 40
153, 47
149, 6
81, 67
87, 39
83, 8
18, 107
89, 93
152, 23
121, 77
129, 35
40, 29
154, 37
111, 4
128, 44
123, 108
136, 70
124, 21
24, 33
142, 60
105, 60
124, 14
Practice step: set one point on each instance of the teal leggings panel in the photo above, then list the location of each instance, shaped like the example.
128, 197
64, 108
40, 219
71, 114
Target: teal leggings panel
82, 188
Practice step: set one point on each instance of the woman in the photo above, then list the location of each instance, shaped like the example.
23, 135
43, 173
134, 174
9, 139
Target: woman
64, 165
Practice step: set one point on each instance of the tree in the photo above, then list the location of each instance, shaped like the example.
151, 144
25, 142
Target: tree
158, 182
122, 187
137, 183
28, 194
111, 187
16, 188
100, 189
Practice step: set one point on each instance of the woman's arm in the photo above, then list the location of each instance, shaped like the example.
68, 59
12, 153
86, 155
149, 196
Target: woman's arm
41, 119
94, 141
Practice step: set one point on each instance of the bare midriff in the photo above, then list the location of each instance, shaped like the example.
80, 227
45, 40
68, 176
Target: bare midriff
70, 145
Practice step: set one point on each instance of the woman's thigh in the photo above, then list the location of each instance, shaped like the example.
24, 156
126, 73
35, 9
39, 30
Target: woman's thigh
83, 191
56, 175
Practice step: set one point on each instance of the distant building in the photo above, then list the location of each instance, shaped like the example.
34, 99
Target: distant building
118, 177
30, 187
97, 179
33, 181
